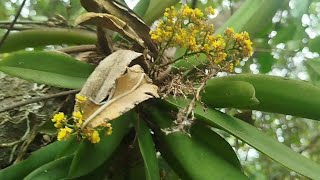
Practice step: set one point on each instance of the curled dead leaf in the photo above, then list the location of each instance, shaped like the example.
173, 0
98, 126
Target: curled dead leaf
131, 89
110, 22
101, 82
126, 15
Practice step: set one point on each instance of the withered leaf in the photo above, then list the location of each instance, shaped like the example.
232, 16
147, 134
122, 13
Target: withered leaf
110, 22
103, 78
131, 89
125, 14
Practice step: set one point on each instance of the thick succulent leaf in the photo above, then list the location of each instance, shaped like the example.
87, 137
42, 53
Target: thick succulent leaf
255, 138
229, 94
147, 150
49, 68
90, 156
248, 16
189, 157
142, 7
279, 94
41, 37
70, 148
313, 67
38, 158
215, 142
57, 169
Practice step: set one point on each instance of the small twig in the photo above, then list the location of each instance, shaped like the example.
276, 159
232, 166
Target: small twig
38, 99
76, 49
24, 22
13, 150
12, 23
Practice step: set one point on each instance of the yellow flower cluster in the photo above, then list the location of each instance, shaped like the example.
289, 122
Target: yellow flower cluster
59, 120
67, 127
188, 28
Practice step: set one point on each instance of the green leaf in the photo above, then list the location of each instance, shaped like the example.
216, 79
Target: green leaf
254, 137
90, 156
215, 142
313, 68
156, 10
142, 7
279, 94
251, 13
189, 157
285, 33
57, 169
314, 44
147, 150
49, 68
41, 37
38, 158
264, 59
191, 61
229, 94
70, 148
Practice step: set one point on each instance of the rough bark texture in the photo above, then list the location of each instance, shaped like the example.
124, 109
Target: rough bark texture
14, 123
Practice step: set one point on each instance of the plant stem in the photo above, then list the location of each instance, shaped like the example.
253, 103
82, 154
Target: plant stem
12, 23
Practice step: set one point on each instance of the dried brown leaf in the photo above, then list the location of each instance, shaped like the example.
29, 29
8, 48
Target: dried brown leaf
110, 22
131, 89
102, 80
125, 14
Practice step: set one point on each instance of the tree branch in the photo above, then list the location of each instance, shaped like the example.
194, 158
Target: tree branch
38, 99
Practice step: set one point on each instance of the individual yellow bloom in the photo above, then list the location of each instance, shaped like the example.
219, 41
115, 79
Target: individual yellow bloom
95, 137
77, 115
238, 37
64, 133
58, 117
109, 131
108, 125
206, 48
80, 99
219, 44
198, 13
231, 67
58, 124
154, 37
247, 49
210, 10
221, 56
229, 32
187, 11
